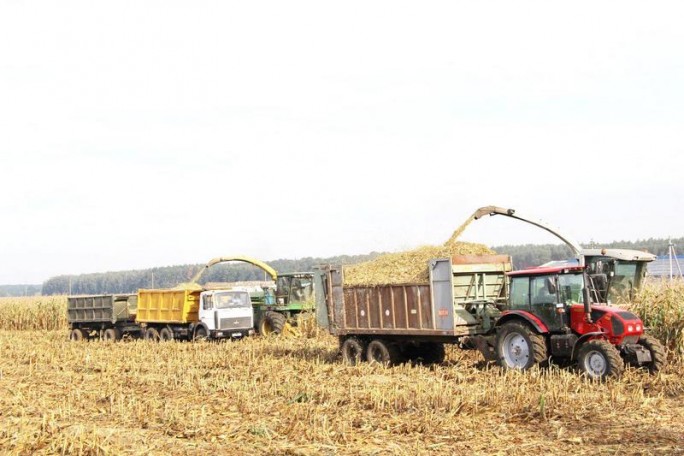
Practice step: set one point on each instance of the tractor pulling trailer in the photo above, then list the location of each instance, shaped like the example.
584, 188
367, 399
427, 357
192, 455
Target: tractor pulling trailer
519, 318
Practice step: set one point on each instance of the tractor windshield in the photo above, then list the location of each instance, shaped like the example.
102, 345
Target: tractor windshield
615, 280
295, 288
570, 288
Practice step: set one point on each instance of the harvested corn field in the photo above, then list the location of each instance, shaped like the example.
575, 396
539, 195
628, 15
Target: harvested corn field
407, 267
293, 396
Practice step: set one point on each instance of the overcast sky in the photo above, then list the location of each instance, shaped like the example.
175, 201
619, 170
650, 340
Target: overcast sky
140, 134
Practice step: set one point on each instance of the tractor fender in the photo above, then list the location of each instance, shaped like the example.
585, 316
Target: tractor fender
528, 317
581, 340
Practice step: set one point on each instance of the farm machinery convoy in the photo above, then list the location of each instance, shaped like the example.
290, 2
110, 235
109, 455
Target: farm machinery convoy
191, 311
556, 312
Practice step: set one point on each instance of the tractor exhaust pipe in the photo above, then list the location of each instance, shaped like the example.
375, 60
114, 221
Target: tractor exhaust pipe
587, 304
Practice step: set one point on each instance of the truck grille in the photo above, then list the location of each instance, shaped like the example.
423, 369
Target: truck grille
235, 323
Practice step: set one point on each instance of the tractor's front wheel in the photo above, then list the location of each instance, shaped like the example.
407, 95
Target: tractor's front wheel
272, 323
599, 359
519, 347
658, 357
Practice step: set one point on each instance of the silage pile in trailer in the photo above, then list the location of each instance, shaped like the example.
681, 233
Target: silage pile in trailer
410, 266
407, 267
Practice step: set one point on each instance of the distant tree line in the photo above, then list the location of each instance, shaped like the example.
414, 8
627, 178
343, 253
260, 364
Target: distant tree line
524, 256
170, 276
19, 290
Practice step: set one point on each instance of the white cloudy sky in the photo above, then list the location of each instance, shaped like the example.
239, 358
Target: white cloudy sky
137, 134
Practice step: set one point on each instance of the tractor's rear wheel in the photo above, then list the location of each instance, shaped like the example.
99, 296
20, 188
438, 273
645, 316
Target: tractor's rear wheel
76, 334
519, 347
152, 334
599, 359
111, 334
352, 351
272, 323
658, 357
382, 352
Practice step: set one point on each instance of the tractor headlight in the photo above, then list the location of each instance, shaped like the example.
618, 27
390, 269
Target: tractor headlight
630, 328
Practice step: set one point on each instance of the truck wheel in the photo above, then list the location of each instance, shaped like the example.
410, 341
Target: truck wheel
599, 359
658, 358
152, 334
352, 351
271, 323
200, 333
165, 334
112, 334
519, 347
76, 334
379, 351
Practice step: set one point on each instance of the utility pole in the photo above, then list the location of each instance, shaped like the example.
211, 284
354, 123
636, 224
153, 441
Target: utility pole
673, 260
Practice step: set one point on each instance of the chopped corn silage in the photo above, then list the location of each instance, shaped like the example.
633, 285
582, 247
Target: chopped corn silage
410, 266
407, 267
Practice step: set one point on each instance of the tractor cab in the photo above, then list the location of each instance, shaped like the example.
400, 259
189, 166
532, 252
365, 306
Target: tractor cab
547, 293
294, 288
616, 274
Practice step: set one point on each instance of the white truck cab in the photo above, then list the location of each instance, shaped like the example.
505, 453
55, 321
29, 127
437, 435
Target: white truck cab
227, 313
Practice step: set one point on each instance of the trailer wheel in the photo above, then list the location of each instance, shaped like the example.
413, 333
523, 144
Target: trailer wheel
272, 323
152, 334
599, 359
76, 334
379, 351
519, 347
111, 334
432, 353
165, 334
352, 351
658, 357
200, 333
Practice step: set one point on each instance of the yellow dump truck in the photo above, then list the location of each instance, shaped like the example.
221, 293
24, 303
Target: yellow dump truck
188, 313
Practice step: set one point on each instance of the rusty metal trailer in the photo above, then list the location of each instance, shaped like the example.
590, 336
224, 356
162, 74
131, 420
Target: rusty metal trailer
396, 322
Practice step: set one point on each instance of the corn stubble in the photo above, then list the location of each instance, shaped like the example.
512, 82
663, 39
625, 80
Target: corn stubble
294, 396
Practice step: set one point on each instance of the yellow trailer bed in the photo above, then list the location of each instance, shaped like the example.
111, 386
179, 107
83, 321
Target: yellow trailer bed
168, 306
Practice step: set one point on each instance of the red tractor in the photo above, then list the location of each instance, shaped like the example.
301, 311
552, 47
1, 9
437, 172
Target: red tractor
550, 316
